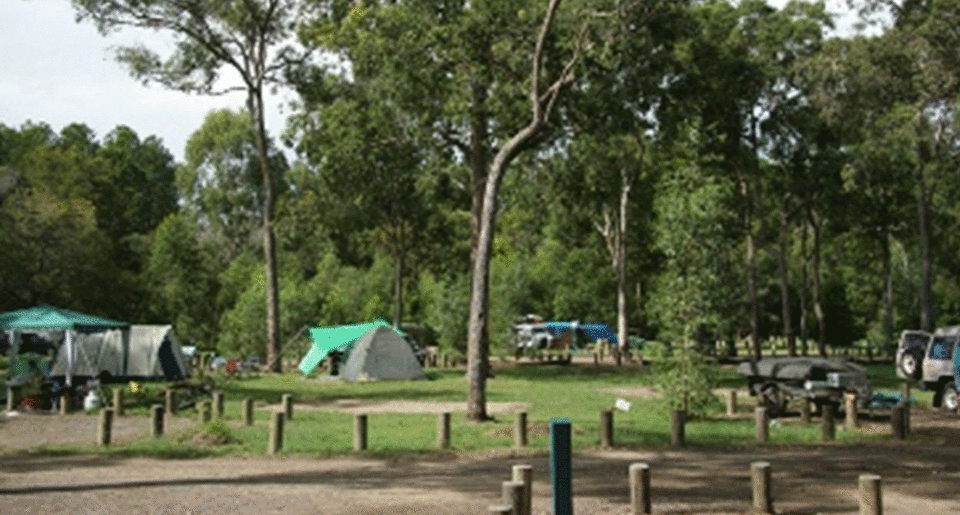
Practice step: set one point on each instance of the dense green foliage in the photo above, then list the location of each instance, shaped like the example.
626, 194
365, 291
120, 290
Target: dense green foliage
781, 183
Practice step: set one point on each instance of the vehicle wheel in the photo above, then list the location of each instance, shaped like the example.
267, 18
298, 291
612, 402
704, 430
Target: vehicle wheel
771, 397
910, 363
951, 399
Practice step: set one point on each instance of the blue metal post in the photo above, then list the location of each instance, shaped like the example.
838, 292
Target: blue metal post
560, 476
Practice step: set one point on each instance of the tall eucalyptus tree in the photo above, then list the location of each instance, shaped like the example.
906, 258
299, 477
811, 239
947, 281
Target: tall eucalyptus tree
253, 38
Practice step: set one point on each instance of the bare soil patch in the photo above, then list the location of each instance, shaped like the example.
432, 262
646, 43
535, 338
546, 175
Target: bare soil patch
24, 430
918, 478
367, 406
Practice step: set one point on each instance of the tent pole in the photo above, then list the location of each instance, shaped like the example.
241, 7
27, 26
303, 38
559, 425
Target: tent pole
14, 350
69, 343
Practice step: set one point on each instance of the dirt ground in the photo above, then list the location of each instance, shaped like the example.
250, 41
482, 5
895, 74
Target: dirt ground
917, 478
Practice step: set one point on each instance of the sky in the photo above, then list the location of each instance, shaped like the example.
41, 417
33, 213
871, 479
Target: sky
58, 71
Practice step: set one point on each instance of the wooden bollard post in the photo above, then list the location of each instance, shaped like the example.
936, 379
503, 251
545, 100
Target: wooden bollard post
762, 429
248, 411
897, 421
731, 403
907, 408
118, 402
871, 498
512, 492
287, 402
804, 409
677, 420
500, 509
639, 475
105, 427
156, 427
606, 428
11, 398
524, 474
851, 411
760, 477
520, 430
218, 404
443, 431
828, 427
170, 401
276, 433
204, 408
360, 432
64, 403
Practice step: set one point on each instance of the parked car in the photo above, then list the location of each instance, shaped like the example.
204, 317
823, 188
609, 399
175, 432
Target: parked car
928, 359
822, 381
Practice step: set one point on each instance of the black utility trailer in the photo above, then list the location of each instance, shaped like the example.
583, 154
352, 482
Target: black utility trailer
823, 381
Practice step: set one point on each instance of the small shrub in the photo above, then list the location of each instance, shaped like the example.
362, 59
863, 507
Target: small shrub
213, 433
684, 378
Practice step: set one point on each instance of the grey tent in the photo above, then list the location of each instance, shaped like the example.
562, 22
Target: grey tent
93, 354
381, 354
155, 353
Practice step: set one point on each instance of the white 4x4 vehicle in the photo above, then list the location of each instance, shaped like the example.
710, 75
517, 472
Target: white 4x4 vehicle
532, 337
928, 359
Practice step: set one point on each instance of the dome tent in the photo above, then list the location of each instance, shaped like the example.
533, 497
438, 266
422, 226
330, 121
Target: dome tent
155, 352
329, 339
381, 354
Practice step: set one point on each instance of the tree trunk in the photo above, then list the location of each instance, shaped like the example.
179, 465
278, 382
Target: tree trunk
804, 304
255, 104
751, 259
785, 281
620, 264
479, 170
479, 135
542, 102
887, 290
398, 285
817, 301
926, 264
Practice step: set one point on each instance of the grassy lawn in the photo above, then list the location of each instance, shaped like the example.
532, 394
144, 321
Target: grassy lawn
576, 392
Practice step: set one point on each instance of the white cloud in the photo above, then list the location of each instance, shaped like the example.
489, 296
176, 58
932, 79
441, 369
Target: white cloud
57, 71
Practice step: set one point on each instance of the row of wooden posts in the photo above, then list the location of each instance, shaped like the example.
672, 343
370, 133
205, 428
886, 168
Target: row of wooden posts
899, 421
517, 494
207, 408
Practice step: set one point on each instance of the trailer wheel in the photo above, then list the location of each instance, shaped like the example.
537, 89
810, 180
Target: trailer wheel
772, 398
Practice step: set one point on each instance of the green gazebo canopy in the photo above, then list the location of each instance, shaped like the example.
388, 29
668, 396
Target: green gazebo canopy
50, 317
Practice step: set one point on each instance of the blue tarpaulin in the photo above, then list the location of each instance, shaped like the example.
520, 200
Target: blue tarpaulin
594, 331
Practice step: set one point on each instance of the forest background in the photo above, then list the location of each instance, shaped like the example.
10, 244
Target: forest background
728, 168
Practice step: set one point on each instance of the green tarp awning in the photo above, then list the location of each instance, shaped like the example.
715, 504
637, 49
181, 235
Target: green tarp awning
50, 317
327, 339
